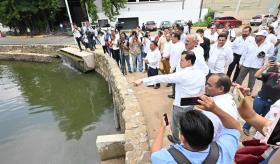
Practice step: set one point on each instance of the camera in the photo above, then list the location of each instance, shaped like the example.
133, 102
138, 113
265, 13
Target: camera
261, 54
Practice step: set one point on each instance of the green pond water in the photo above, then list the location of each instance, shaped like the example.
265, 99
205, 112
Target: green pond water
51, 114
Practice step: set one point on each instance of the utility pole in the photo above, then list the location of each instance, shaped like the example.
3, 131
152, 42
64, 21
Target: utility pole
237, 7
201, 4
69, 14
183, 4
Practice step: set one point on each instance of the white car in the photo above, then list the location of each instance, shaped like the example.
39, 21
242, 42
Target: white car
259, 19
256, 20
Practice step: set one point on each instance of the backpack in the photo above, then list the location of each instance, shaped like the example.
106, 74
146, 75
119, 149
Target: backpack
180, 158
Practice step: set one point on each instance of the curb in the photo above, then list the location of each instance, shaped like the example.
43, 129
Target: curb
37, 36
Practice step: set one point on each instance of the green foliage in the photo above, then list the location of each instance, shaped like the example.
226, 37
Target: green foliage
207, 19
23, 14
111, 7
92, 10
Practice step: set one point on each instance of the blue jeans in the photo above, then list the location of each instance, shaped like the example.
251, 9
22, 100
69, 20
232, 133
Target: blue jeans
125, 59
153, 72
143, 54
261, 106
137, 59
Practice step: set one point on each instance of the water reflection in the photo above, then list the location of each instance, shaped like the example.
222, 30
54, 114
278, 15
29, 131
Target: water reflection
35, 99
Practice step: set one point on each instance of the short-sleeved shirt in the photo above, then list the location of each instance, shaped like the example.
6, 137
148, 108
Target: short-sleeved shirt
271, 86
227, 143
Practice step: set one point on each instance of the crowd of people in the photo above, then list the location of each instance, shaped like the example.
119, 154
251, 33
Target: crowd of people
200, 65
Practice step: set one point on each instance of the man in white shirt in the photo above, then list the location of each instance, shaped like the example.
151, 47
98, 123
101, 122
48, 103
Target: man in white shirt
189, 82
220, 55
175, 52
191, 44
213, 35
218, 87
253, 58
152, 60
238, 48
165, 54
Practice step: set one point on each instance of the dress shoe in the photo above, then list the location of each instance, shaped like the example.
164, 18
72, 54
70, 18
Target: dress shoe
156, 87
171, 96
168, 85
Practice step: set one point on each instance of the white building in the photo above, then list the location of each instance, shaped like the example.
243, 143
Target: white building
141, 11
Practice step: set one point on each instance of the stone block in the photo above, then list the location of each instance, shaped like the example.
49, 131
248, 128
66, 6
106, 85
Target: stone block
110, 146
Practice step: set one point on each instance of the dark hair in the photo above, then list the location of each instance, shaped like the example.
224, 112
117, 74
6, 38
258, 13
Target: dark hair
133, 33
189, 56
124, 34
197, 129
201, 31
249, 27
224, 81
222, 35
270, 28
178, 26
176, 35
154, 42
160, 32
209, 25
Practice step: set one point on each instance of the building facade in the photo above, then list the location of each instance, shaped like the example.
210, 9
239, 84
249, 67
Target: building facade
141, 11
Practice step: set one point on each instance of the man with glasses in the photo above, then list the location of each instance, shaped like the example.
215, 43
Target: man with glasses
220, 55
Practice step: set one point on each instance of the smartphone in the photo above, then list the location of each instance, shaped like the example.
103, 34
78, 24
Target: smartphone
274, 136
189, 101
272, 59
166, 119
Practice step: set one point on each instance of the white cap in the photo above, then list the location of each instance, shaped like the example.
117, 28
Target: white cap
262, 33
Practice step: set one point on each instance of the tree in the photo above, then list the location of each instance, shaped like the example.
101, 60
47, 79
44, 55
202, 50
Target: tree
92, 11
22, 14
111, 7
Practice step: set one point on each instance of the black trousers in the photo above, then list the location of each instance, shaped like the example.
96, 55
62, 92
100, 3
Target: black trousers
79, 42
116, 56
153, 72
234, 64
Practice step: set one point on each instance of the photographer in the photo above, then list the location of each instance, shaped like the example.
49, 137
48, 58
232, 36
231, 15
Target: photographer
253, 58
77, 35
196, 135
135, 50
269, 93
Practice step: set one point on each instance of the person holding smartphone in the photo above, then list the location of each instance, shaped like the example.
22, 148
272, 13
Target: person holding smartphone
196, 136
253, 151
269, 93
190, 82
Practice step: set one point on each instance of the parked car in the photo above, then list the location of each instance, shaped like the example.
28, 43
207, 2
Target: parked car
220, 22
150, 26
180, 22
259, 19
256, 20
165, 24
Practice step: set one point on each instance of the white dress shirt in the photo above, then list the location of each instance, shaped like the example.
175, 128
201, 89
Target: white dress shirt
238, 45
271, 38
77, 33
219, 58
227, 104
153, 58
175, 54
200, 62
166, 49
189, 82
212, 37
146, 44
249, 57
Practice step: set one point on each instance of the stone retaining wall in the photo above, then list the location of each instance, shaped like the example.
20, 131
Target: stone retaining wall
40, 49
131, 118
